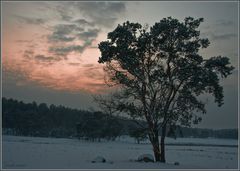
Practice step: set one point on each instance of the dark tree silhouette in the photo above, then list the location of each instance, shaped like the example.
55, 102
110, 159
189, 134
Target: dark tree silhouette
160, 74
26, 119
96, 126
138, 133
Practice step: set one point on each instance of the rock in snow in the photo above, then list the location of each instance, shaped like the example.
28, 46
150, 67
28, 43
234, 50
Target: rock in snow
99, 159
176, 163
145, 158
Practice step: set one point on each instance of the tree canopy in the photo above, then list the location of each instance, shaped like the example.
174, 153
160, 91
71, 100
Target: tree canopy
161, 73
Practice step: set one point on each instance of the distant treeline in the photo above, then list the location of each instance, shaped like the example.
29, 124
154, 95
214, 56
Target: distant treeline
42, 120
205, 133
32, 119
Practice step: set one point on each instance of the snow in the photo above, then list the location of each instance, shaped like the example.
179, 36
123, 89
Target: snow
58, 153
191, 141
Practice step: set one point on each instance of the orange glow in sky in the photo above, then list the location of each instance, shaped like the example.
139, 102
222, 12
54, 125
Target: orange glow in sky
29, 51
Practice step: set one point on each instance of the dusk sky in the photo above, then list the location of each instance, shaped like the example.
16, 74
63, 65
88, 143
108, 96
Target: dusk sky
50, 49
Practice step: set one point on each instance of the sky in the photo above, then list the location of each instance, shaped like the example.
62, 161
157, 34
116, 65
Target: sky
50, 49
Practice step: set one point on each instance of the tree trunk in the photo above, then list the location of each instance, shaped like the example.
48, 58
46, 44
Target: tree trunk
162, 157
156, 152
155, 144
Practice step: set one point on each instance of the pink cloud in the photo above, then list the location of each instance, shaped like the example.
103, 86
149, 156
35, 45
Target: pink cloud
78, 72
51, 52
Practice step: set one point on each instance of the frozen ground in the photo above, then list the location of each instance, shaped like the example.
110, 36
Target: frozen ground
55, 153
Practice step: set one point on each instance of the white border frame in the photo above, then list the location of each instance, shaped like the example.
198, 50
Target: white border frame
1, 168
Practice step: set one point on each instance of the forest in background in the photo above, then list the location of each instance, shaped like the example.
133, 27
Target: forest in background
42, 120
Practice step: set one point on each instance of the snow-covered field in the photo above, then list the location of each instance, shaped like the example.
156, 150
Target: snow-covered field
55, 153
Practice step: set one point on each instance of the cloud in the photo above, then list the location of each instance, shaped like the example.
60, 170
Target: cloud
74, 64
223, 36
62, 32
102, 13
94, 17
107, 21
69, 28
65, 11
28, 54
89, 35
64, 50
83, 22
60, 37
28, 20
101, 8
93, 10
66, 17
94, 72
69, 33
47, 59
23, 41
88, 65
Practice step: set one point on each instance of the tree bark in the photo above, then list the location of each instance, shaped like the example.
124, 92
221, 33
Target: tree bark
162, 157
155, 145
